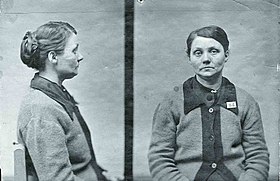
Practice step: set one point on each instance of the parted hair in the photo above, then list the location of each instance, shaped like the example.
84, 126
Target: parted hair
36, 45
215, 32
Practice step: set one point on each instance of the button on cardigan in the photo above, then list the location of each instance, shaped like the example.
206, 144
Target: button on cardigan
204, 135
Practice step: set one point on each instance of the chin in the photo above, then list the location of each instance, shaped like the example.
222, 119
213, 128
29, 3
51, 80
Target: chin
70, 76
208, 75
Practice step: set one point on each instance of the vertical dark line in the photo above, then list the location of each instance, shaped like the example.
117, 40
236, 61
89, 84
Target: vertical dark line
128, 56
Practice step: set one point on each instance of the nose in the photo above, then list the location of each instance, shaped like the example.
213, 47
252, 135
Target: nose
206, 59
80, 57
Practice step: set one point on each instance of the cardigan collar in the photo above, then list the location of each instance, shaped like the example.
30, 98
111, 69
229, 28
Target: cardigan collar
55, 92
194, 95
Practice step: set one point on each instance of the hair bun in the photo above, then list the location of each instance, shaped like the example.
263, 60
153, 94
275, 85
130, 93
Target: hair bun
29, 53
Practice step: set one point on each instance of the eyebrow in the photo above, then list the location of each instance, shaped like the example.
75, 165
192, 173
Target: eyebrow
197, 48
212, 47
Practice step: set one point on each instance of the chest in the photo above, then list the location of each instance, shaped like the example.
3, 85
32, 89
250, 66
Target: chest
76, 141
208, 123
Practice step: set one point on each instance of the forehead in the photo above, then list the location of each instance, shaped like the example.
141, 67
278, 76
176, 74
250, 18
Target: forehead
202, 42
72, 41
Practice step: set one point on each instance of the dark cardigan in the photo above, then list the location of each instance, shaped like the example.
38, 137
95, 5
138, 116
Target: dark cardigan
202, 135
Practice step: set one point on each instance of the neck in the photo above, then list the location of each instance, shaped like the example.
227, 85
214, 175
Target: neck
211, 83
51, 76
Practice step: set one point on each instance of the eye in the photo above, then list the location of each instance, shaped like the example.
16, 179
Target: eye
75, 51
214, 51
197, 53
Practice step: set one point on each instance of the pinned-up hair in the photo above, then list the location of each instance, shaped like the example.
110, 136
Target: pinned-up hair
212, 31
36, 45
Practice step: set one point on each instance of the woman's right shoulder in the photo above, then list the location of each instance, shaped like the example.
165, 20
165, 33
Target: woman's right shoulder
36, 97
37, 105
173, 97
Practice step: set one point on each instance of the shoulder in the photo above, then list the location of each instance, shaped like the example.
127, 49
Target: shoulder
173, 96
38, 106
39, 101
243, 97
247, 105
36, 97
172, 102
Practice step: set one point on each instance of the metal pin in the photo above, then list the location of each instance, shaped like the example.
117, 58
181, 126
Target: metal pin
214, 91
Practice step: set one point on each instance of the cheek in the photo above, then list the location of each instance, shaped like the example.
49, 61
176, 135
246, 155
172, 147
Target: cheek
71, 61
195, 63
221, 62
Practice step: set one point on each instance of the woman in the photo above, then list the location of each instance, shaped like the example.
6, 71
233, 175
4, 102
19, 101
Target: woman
208, 129
56, 138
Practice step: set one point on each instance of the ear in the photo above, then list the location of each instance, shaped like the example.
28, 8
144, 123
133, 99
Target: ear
187, 57
52, 57
226, 55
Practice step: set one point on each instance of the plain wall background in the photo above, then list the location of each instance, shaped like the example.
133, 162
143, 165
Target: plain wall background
161, 29
99, 86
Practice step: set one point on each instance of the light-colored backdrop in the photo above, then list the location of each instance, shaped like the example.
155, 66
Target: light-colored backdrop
99, 86
161, 29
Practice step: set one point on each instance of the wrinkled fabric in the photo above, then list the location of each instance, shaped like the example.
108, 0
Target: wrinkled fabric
176, 148
56, 144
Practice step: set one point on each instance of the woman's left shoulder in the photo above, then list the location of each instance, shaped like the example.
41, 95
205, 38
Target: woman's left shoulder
242, 94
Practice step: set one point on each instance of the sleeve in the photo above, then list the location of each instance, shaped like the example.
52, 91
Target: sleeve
163, 144
254, 145
45, 141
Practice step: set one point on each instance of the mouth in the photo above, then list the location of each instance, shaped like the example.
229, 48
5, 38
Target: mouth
206, 68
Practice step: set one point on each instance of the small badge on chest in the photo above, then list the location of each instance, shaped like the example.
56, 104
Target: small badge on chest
231, 104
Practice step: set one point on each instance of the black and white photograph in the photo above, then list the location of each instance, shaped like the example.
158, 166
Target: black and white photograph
184, 130
65, 110
139, 90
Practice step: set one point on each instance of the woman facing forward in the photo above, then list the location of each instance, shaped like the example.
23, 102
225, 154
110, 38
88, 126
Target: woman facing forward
56, 138
208, 129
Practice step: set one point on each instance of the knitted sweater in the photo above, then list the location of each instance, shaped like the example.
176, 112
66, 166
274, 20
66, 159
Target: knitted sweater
55, 142
202, 135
